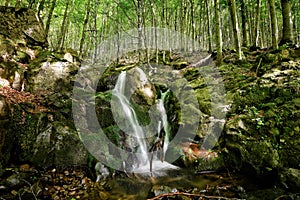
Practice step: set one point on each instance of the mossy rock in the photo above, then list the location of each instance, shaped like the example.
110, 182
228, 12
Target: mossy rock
291, 177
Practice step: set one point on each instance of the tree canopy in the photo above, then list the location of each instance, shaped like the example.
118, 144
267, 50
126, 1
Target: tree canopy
82, 25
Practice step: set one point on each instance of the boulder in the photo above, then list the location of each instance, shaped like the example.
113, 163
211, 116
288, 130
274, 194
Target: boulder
261, 134
22, 26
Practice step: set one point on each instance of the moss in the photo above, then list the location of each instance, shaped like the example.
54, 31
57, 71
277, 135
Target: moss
113, 134
24, 126
142, 113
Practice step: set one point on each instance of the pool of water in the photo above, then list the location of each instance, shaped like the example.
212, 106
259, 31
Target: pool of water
185, 184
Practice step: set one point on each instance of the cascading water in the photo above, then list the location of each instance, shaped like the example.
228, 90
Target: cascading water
128, 114
164, 121
127, 120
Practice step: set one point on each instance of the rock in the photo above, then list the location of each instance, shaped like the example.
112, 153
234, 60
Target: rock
101, 171
5, 137
159, 190
53, 77
21, 34
261, 135
291, 177
13, 180
22, 24
4, 111
4, 82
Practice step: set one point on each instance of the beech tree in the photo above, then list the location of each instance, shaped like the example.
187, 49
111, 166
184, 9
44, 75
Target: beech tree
287, 27
235, 26
86, 19
61, 36
257, 23
49, 17
274, 24
219, 43
244, 23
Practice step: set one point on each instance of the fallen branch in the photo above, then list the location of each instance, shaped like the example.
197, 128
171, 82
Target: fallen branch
193, 195
203, 62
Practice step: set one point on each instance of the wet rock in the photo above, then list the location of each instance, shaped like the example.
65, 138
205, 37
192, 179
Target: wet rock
159, 190
101, 171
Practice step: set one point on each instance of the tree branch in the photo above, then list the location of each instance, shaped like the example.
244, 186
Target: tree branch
192, 195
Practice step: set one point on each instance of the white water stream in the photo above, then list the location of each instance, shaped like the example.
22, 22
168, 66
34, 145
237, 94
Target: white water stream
127, 120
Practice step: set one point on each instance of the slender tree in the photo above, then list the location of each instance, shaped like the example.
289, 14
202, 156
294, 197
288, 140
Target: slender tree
49, 17
274, 24
18, 4
95, 25
61, 36
235, 26
154, 23
257, 22
86, 19
244, 23
40, 6
219, 43
139, 26
287, 27
208, 26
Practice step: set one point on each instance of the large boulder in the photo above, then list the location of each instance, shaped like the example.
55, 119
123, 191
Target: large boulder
23, 26
261, 134
22, 36
35, 95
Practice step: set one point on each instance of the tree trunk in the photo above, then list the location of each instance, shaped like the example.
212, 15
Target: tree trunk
296, 22
257, 24
244, 23
95, 55
274, 24
18, 4
86, 19
63, 28
139, 27
208, 27
49, 17
7, 3
287, 28
235, 26
40, 7
192, 23
201, 32
218, 33
31, 4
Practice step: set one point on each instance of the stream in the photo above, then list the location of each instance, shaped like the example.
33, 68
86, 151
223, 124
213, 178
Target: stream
186, 184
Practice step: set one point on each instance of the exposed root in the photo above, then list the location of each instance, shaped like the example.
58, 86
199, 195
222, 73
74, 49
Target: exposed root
201, 197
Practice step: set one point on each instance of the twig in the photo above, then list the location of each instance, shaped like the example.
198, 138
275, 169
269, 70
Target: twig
193, 195
282, 196
31, 189
258, 66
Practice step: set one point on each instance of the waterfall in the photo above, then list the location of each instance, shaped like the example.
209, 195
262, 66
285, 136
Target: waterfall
165, 122
127, 120
163, 128
127, 114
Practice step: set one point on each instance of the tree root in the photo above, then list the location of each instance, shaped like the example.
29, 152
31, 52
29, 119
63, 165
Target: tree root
201, 197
